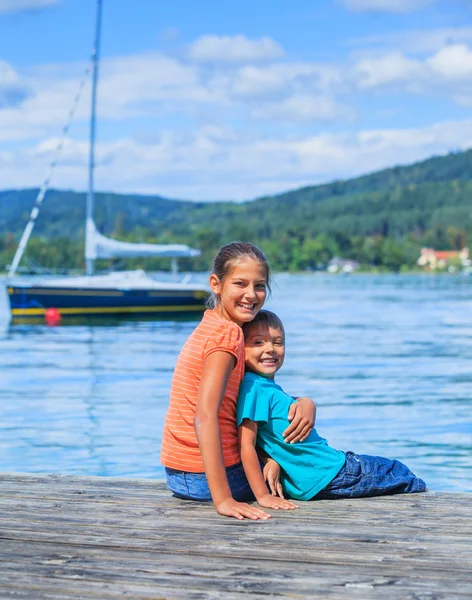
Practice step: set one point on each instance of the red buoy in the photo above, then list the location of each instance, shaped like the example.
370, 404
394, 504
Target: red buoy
52, 316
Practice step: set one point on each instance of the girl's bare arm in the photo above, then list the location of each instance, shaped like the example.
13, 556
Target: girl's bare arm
216, 371
302, 415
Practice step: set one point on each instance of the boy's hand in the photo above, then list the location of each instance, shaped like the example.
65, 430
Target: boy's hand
269, 501
240, 510
302, 415
271, 474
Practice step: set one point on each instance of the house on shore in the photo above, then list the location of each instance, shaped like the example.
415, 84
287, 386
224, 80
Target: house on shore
440, 259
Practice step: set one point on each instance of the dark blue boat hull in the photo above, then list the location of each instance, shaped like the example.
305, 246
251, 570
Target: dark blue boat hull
33, 301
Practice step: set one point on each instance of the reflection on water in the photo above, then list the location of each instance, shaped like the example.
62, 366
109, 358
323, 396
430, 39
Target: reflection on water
111, 320
387, 360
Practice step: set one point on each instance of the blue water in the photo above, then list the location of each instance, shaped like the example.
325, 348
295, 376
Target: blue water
388, 360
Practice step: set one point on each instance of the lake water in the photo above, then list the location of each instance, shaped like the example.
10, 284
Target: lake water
388, 360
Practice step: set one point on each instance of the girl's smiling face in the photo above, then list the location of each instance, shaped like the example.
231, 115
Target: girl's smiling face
265, 350
243, 291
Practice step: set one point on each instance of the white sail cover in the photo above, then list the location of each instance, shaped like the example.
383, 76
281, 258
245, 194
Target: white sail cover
99, 246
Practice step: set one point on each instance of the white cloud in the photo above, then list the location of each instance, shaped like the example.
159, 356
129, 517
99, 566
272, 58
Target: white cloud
7, 74
233, 49
232, 145
151, 84
303, 108
448, 72
389, 6
453, 62
416, 41
463, 99
452, 67
43, 111
212, 163
129, 85
388, 69
254, 81
10, 6
12, 90
259, 81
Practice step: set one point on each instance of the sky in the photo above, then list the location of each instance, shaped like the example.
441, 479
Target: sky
215, 100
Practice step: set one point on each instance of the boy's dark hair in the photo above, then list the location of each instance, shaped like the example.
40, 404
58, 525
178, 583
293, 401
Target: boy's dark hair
265, 318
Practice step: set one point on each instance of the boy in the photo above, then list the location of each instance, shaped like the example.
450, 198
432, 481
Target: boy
309, 469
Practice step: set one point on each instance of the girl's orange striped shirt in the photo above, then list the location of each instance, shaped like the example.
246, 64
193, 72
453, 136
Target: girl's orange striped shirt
179, 444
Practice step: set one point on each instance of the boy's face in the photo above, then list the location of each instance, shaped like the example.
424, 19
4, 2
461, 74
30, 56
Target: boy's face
265, 350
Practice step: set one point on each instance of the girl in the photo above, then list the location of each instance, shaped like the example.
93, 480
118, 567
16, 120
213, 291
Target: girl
200, 439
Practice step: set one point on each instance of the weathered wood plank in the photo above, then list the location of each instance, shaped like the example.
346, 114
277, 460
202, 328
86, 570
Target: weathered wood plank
228, 576
67, 537
245, 581
412, 518
311, 511
248, 579
394, 541
107, 560
430, 506
411, 561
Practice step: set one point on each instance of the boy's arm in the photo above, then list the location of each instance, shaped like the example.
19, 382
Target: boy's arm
247, 441
270, 472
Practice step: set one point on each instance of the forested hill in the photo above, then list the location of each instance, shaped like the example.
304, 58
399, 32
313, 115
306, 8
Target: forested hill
369, 218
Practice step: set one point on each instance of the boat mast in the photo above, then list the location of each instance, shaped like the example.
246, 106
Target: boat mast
89, 224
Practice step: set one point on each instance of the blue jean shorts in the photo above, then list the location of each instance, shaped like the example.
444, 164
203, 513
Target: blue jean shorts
365, 476
194, 486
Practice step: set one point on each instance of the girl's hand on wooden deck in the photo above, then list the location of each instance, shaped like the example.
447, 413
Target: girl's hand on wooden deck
302, 415
269, 501
241, 510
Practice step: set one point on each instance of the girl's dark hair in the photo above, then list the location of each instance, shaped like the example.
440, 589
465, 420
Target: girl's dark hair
227, 257
266, 318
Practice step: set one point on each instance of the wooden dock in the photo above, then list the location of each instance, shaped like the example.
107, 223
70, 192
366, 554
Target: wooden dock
102, 538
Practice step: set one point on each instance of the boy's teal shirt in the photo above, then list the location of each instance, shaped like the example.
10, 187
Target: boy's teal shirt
308, 466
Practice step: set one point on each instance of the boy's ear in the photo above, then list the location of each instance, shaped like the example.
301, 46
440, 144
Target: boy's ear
215, 284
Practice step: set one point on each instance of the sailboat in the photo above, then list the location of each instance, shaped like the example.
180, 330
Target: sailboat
117, 293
